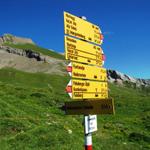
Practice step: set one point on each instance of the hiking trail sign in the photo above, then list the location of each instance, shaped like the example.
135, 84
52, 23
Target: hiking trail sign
80, 107
90, 123
86, 89
82, 49
80, 71
83, 52
77, 27
88, 86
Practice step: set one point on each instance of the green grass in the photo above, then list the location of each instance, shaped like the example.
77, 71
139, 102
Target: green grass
36, 49
30, 118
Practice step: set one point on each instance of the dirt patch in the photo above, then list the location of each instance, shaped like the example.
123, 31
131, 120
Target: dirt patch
52, 65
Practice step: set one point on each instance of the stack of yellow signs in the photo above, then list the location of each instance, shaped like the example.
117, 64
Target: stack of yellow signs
89, 81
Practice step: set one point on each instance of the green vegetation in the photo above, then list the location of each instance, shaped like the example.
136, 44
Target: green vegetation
8, 36
30, 117
36, 49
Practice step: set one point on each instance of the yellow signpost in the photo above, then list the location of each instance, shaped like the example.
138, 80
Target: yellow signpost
82, 29
83, 52
82, 71
101, 106
86, 89
89, 85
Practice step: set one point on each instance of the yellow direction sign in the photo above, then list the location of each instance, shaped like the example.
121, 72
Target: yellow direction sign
101, 106
82, 29
82, 71
86, 89
84, 52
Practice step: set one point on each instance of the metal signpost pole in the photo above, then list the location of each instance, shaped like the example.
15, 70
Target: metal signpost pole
88, 136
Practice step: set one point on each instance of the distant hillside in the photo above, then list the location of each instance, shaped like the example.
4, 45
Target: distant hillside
27, 56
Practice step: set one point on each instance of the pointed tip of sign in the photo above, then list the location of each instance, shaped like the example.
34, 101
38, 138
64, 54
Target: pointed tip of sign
70, 74
70, 64
70, 94
70, 83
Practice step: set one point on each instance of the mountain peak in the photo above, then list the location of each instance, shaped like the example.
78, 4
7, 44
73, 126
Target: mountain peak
9, 38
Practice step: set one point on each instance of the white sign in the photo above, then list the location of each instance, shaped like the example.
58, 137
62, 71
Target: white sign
90, 124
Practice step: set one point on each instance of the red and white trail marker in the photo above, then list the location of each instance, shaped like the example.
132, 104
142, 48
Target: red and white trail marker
69, 88
69, 69
101, 37
88, 141
103, 57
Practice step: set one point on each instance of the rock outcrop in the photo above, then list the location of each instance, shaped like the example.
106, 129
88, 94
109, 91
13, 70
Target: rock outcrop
120, 78
23, 52
8, 38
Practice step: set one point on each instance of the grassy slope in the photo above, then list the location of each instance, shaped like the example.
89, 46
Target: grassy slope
30, 118
36, 49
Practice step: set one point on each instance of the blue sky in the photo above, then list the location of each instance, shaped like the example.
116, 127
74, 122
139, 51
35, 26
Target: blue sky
125, 24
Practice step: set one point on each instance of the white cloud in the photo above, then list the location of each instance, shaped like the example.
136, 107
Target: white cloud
108, 33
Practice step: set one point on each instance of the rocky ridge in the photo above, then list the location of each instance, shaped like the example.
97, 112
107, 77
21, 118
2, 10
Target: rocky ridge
9, 38
120, 78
